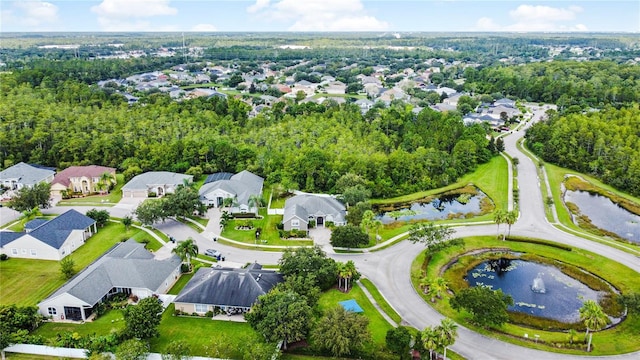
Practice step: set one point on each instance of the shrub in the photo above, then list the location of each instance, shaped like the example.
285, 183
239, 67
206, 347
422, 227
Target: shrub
539, 242
280, 226
4, 257
184, 268
209, 314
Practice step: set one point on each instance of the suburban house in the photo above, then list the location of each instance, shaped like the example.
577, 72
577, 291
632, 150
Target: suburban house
229, 289
83, 179
49, 239
301, 209
127, 268
24, 175
336, 87
243, 187
154, 182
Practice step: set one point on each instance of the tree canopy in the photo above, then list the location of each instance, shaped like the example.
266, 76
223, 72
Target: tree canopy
304, 261
142, 319
341, 332
487, 307
28, 198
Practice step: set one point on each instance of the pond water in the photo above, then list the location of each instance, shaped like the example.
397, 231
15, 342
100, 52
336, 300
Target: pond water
437, 209
537, 289
607, 215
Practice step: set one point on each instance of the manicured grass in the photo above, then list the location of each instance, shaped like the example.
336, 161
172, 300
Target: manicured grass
99, 200
382, 302
622, 338
112, 320
378, 326
188, 223
177, 287
202, 334
28, 281
491, 178
269, 231
202, 221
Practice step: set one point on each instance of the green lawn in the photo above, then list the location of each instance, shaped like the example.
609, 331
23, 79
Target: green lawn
177, 287
620, 339
19, 225
269, 235
99, 200
202, 334
382, 302
27, 281
378, 326
112, 320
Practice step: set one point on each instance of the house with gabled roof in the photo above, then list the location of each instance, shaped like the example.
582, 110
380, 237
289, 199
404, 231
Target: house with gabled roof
242, 187
156, 182
82, 179
24, 175
127, 268
231, 290
49, 239
302, 208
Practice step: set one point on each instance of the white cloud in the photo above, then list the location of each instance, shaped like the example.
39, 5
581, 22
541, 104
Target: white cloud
259, 5
204, 28
319, 15
535, 18
128, 15
35, 14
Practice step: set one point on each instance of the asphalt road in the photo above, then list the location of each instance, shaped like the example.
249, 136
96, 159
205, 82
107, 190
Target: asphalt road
389, 269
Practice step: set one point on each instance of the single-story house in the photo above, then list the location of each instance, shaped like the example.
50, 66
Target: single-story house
336, 87
505, 102
49, 239
231, 290
127, 268
364, 105
242, 187
157, 182
82, 179
300, 209
24, 175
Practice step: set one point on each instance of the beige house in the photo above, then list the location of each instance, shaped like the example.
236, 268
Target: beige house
49, 239
127, 268
83, 179
159, 183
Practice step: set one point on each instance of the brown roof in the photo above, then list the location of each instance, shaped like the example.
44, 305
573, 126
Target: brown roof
78, 171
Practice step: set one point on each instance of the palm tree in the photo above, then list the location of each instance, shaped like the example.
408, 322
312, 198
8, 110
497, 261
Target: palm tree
593, 317
448, 331
424, 283
127, 221
31, 214
430, 340
254, 201
376, 225
227, 202
499, 218
186, 250
510, 218
106, 179
440, 285
572, 335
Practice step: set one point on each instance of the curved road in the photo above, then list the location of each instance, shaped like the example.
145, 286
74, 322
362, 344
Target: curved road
389, 269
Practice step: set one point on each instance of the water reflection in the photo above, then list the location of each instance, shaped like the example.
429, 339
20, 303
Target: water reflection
607, 215
443, 207
537, 289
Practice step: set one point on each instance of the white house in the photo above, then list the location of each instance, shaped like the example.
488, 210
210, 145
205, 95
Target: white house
49, 239
242, 188
302, 208
157, 182
24, 175
127, 268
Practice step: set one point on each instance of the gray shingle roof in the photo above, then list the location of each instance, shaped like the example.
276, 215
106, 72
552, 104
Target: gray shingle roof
317, 205
228, 287
141, 182
127, 265
295, 211
26, 174
55, 231
243, 185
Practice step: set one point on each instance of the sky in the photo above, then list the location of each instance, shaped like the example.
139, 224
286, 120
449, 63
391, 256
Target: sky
319, 15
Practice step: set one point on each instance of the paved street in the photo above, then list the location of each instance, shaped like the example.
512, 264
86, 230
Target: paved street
389, 269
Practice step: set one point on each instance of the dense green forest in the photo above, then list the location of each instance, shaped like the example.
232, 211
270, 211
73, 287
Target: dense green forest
605, 144
566, 83
307, 146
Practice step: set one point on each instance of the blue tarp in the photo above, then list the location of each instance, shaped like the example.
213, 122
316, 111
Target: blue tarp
351, 305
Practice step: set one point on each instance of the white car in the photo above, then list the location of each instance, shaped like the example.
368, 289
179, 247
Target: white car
213, 253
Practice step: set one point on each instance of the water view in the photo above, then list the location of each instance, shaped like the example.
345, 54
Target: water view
443, 207
537, 289
607, 215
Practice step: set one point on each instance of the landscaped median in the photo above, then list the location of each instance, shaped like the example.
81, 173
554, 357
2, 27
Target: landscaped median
622, 338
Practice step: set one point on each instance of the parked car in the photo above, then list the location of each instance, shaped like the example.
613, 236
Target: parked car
213, 253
